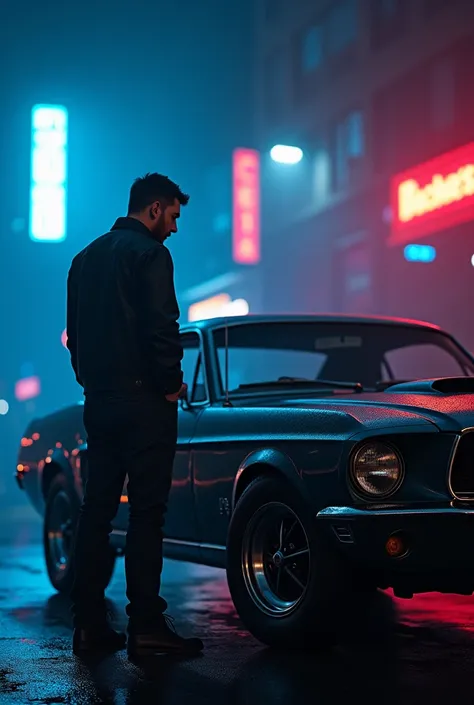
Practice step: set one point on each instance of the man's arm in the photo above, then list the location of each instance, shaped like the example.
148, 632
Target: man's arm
158, 315
71, 323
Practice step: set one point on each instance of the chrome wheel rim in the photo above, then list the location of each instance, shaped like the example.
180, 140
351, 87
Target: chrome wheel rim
276, 559
60, 534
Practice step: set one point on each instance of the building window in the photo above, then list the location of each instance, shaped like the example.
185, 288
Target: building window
442, 94
329, 36
321, 176
349, 148
342, 27
312, 52
387, 20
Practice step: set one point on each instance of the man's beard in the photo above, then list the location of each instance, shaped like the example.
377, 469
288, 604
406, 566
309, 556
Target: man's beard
159, 230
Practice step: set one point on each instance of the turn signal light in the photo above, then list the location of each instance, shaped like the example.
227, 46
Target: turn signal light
395, 546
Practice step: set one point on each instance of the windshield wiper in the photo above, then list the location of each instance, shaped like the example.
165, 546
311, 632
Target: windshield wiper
302, 381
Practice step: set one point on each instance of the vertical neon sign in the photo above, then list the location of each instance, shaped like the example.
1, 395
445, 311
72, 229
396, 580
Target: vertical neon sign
48, 187
246, 206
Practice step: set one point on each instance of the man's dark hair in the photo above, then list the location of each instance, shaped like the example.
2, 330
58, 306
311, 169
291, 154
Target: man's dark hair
154, 187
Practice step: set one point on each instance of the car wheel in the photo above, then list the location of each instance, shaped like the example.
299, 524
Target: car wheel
287, 585
60, 519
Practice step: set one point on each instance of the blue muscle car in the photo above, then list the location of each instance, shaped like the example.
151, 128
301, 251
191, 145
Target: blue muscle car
318, 457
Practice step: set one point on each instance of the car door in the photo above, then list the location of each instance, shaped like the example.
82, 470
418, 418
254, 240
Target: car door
220, 445
216, 455
180, 518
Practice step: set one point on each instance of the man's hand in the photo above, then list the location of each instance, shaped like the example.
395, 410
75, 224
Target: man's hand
177, 395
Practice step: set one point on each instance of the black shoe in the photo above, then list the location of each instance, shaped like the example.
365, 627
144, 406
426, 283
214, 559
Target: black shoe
100, 639
161, 638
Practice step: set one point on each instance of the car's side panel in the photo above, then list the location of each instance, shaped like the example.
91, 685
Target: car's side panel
180, 519
232, 441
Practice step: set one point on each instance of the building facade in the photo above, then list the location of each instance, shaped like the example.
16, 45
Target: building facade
369, 89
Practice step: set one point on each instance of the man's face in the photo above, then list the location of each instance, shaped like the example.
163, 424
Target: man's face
165, 219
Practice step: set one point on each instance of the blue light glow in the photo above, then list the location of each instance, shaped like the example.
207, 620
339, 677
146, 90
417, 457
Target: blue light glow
48, 187
419, 253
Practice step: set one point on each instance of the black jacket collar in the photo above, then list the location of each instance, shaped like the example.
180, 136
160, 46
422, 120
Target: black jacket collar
131, 224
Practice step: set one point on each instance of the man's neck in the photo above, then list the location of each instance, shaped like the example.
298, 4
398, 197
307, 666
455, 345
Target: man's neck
137, 216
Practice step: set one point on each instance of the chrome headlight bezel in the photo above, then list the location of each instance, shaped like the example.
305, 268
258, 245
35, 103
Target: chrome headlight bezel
354, 482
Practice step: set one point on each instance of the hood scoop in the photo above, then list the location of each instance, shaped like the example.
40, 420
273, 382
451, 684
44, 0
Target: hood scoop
442, 386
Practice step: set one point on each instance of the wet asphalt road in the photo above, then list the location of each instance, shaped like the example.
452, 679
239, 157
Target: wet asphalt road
403, 651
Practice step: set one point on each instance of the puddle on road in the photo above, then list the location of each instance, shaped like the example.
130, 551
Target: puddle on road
7, 684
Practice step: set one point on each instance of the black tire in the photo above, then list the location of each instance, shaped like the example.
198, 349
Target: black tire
60, 519
314, 618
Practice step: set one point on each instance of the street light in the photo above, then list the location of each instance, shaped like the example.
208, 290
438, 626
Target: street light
284, 154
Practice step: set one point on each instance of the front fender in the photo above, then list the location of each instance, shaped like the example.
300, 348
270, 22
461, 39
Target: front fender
270, 459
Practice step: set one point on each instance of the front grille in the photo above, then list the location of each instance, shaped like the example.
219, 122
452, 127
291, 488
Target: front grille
462, 468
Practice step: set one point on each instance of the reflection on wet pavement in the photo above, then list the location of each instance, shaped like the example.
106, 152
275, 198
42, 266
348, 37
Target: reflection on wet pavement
394, 650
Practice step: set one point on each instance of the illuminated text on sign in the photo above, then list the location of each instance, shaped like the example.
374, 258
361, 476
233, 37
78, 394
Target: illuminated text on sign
415, 200
433, 197
246, 206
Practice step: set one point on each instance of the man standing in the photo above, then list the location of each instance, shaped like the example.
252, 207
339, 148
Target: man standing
123, 336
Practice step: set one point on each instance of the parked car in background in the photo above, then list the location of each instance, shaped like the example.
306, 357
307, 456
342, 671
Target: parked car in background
318, 456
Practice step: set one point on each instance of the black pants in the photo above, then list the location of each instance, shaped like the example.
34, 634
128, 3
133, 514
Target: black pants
134, 436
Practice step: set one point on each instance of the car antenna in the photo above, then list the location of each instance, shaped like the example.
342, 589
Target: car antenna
227, 401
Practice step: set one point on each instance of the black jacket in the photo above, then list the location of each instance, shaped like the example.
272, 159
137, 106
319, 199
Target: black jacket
122, 313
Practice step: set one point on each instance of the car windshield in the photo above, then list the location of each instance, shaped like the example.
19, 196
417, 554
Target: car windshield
372, 354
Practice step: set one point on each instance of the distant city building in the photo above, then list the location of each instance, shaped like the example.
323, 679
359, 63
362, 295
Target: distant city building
371, 91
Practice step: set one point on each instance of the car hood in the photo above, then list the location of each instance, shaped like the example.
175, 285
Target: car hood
447, 403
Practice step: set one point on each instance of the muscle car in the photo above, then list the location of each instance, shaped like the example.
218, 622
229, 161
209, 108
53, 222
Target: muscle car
319, 457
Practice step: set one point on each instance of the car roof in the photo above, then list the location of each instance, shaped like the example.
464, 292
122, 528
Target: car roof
215, 323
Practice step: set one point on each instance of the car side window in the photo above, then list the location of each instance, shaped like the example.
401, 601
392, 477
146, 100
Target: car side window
193, 368
420, 362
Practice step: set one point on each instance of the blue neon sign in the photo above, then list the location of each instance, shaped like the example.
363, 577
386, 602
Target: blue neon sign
48, 186
419, 253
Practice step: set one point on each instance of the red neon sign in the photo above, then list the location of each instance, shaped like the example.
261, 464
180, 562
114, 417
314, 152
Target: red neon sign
27, 388
246, 206
433, 196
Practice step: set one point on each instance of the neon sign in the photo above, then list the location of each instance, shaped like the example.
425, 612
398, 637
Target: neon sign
433, 196
419, 253
27, 388
48, 173
246, 206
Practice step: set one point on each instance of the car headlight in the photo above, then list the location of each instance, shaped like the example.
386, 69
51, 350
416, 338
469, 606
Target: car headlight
376, 470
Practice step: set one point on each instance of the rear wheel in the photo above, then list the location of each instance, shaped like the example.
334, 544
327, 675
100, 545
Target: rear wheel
60, 520
287, 585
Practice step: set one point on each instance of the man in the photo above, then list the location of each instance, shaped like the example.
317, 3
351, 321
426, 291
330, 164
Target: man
123, 336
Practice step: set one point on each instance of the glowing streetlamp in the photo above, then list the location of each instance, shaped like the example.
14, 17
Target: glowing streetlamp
285, 154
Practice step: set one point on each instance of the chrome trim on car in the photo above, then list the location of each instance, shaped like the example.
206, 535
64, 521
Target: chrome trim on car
195, 544
457, 440
353, 513
180, 542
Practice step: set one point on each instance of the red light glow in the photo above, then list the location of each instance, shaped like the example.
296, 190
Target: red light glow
246, 206
27, 388
64, 338
433, 196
